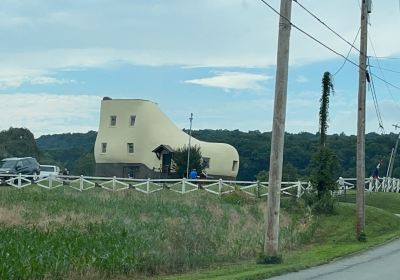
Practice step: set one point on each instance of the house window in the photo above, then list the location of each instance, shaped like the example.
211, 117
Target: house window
206, 162
130, 148
103, 148
132, 120
234, 165
113, 120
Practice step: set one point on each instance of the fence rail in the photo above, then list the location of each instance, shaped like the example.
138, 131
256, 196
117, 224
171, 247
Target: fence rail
184, 186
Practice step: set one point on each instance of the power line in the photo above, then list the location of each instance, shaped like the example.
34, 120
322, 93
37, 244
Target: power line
348, 54
308, 35
371, 87
324, 45
386, 82
386, 69
324, 24
380, 68
386, 57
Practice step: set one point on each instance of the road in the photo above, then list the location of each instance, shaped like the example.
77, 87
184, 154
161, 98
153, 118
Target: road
379, 263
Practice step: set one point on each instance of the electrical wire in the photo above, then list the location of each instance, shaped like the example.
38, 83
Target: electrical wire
324, 24
324, 45
348, 54
371, 87
385, 69
308, 35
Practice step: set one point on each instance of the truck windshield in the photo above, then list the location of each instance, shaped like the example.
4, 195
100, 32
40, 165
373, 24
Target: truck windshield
47, 168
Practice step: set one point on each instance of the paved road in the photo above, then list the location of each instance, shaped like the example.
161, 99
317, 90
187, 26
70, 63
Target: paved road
380, 263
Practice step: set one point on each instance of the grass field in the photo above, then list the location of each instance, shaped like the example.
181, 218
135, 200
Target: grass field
65, 234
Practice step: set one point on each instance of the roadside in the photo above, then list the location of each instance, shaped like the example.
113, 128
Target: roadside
333, 239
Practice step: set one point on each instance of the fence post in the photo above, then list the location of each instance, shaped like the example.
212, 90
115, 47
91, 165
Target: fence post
113, 183
148, 186
298, 189
19, 180
50, 181
371, 187
183, 185
258, 189
81, 183
219, 186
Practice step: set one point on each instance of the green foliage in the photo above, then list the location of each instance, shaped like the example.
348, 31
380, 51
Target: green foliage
17, 142
238, 198
67, 141
327, 88
180, 160
85, 165
264, 259
262, 176
253, 148
71, 150
324, 173
123, 233
362, 237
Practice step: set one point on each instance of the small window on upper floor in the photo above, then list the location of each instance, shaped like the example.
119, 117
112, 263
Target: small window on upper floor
103, 148
130, 147
206, 162
234, 165
132, 120
113, 120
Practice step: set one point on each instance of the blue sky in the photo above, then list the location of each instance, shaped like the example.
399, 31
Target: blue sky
215, 58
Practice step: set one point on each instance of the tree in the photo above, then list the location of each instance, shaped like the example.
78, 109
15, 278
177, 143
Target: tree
327, 88
85, 165
180, 160
324, 164
17, 142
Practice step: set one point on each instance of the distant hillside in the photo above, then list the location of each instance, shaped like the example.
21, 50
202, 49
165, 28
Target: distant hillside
67, 141
75, 151
69, 150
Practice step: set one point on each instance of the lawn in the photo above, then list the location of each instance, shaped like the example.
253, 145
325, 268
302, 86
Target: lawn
67, 234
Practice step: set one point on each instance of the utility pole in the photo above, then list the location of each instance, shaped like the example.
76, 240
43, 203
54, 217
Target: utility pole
190, 136
278, 131
394, 153
365, 9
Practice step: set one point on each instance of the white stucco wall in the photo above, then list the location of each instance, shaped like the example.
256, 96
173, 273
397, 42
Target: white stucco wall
152, 128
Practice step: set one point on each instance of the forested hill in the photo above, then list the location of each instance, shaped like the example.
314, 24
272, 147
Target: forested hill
253, 148
254, 151
67, 141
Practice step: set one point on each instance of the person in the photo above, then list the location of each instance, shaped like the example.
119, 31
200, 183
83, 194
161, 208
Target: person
375, 174
65, 172
193, 174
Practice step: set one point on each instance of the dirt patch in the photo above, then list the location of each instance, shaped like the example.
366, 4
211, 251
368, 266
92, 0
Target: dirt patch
12, 217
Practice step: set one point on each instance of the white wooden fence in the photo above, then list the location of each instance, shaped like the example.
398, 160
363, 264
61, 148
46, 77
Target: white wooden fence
183, 186
148, 186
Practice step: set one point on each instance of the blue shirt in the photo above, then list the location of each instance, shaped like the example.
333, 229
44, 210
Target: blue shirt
193, 174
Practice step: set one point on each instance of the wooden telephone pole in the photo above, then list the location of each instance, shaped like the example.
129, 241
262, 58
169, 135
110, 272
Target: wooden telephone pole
278, 131
365, 9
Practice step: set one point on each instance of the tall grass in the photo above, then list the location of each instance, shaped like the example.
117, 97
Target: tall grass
53, 234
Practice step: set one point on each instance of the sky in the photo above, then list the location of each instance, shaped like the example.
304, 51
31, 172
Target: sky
213, 58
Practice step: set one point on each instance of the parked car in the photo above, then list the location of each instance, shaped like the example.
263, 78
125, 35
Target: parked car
25, 166
47, 170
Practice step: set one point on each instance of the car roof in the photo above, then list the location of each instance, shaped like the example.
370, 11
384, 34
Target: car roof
17, 158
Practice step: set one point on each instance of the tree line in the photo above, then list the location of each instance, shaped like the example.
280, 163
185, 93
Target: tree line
75, 150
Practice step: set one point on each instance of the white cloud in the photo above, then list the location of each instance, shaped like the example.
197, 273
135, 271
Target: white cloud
232, 81
15, 77
301, 79
49, 114
203, 33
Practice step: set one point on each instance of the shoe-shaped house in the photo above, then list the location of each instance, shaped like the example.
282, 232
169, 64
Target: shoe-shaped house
135, 139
